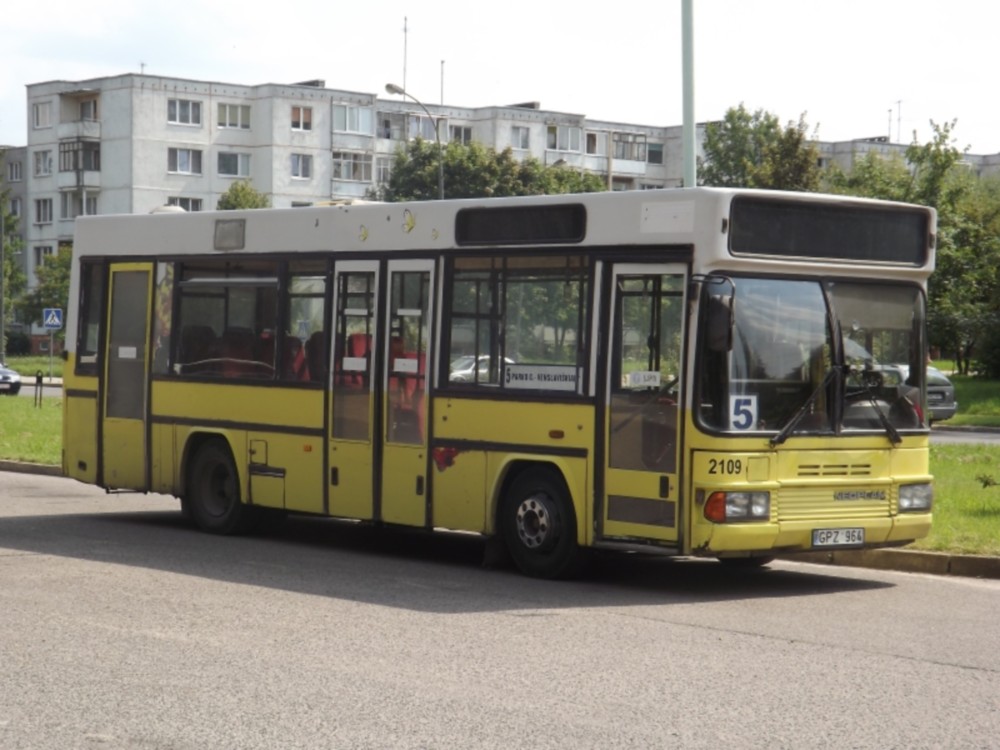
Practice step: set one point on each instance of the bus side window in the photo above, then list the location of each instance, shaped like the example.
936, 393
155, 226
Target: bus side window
198, 345
316, 357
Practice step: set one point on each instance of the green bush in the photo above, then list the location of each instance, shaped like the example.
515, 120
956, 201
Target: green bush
18, 343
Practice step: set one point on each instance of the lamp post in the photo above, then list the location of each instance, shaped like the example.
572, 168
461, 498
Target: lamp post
400, 91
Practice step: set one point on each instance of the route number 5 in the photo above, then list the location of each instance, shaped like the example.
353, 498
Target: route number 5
742, 412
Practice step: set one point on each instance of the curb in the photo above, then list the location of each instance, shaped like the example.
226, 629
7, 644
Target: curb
902, 560
23, 467
907, 561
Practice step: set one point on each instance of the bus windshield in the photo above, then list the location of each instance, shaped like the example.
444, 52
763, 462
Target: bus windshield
812, 356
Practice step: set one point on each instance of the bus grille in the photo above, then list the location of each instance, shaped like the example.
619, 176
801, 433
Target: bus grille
835, 470
819, 503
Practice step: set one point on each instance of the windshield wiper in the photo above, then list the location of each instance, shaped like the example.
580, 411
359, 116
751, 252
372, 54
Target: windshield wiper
791, 424
891, 431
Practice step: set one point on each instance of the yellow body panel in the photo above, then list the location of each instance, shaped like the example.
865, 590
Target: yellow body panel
79, 429
458, 485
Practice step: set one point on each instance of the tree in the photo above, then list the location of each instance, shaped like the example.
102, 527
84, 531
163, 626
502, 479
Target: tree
754, 151
53, 286
242, 194
475, 171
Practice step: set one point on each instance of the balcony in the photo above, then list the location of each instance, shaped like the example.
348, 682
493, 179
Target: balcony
90, 129
80, 178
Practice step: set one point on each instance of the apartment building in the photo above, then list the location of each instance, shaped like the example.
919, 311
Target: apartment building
132, 143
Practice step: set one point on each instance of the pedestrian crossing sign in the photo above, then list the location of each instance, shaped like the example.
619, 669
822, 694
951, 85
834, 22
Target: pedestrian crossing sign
52, 317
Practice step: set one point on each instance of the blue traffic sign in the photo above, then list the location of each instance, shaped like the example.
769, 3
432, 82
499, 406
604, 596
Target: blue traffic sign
52, 317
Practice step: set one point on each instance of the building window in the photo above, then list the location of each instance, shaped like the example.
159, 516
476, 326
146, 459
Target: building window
232, 164
234, 116
302, 166
14, 171
72, 205
520, 137
41, 115
302, 118
43, 211
88, 109
43, 163
75, 155
596, 143
188, 204
355, 167
351, 119
630, 146
15, 206
383, 169
421, 126
563, 138
41, 253
183, 161
654, 153
460, 134
183, 112
391, 125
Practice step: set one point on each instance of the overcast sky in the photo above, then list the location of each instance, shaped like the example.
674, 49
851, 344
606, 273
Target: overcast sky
855, 68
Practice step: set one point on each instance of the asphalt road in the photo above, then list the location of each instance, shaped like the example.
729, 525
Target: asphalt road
120, 627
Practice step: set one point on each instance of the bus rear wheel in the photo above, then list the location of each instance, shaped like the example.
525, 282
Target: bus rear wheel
213, 492
538, 525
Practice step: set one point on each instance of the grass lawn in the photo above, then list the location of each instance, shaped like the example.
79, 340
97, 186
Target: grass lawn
966, 500
30, 433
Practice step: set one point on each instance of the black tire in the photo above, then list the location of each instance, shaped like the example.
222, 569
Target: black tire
538, 525
747, 563
213, 492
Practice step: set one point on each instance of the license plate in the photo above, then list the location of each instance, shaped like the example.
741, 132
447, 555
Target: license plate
935, 397
838, 537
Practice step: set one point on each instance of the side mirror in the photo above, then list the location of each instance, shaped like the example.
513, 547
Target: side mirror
719, 323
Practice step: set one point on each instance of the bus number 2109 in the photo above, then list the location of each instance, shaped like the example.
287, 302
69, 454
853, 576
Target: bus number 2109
725, 466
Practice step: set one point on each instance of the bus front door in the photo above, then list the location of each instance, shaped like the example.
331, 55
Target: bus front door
641, 426
123, 428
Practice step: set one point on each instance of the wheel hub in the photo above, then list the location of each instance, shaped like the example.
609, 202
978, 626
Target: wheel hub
536, 524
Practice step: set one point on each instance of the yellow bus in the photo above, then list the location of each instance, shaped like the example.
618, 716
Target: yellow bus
697, 372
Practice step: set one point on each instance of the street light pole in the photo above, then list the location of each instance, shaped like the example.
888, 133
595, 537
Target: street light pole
400, 91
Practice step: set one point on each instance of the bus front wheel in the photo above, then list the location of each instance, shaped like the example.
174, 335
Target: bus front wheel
213, 492
538, 525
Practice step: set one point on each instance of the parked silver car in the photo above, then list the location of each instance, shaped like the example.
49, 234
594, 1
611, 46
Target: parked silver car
10, 381
941, 403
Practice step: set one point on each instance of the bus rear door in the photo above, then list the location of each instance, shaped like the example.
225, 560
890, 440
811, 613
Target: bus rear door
123, 428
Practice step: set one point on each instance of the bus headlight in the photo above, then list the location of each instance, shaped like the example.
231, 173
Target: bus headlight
915, 497
725, 507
